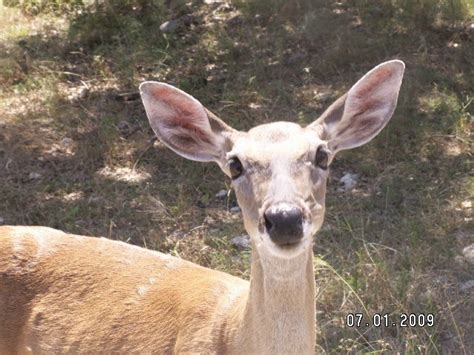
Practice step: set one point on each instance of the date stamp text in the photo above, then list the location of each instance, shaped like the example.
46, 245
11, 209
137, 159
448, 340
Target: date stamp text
358, 320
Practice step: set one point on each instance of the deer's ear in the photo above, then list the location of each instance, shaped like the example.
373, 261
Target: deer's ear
183, 124
359, 115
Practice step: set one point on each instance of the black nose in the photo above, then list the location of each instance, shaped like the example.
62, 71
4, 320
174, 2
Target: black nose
284, 226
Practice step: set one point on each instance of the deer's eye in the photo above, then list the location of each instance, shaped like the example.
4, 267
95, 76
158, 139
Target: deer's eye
235, 167
322, 158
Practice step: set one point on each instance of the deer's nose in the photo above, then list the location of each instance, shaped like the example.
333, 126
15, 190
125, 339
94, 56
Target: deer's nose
284, 224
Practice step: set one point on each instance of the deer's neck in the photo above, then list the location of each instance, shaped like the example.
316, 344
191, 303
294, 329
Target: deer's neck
279, 316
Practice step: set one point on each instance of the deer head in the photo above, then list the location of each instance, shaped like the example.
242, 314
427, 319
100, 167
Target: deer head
278, 170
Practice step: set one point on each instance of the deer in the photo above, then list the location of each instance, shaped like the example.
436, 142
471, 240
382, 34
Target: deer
64, 293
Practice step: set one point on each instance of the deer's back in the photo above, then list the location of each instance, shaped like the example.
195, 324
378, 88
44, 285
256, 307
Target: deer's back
61, 292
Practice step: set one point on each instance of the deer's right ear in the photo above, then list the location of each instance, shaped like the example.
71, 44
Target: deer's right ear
183, 124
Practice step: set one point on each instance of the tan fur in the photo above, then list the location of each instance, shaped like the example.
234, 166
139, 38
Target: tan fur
92, 294
65, 293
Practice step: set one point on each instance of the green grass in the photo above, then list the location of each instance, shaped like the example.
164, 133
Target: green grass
392, 245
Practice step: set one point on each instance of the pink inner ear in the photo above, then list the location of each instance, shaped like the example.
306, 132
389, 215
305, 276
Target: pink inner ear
181, 115
371, 84
372, 92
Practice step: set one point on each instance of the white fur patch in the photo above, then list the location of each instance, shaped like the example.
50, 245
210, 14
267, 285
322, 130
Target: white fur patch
41, 235
142, 290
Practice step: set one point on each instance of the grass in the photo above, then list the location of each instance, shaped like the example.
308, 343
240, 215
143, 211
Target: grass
78, 157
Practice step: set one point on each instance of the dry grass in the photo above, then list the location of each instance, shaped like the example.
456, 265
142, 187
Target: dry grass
75, 156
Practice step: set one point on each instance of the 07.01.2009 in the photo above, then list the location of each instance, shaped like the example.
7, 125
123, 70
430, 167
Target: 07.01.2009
390, 320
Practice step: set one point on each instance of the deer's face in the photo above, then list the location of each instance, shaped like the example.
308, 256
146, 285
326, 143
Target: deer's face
278, 170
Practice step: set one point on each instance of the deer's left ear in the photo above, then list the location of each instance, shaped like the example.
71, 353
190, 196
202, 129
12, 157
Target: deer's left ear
359, 115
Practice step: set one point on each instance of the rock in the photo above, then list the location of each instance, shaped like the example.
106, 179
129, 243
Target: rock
467, 285
222, 194
67, 141
169, 26
2, 220
349, 181
468, 253
34, 176
78, 94
235, 209
254, 106
242, 242
83, 92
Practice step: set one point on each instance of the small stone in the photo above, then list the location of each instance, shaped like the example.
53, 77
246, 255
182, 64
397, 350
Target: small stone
254, 106
349, 181
67, 141
467, 285
235, 209
242, 242
83, 92
222, 194
468, 253
34, 176
2, 220
169, 26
